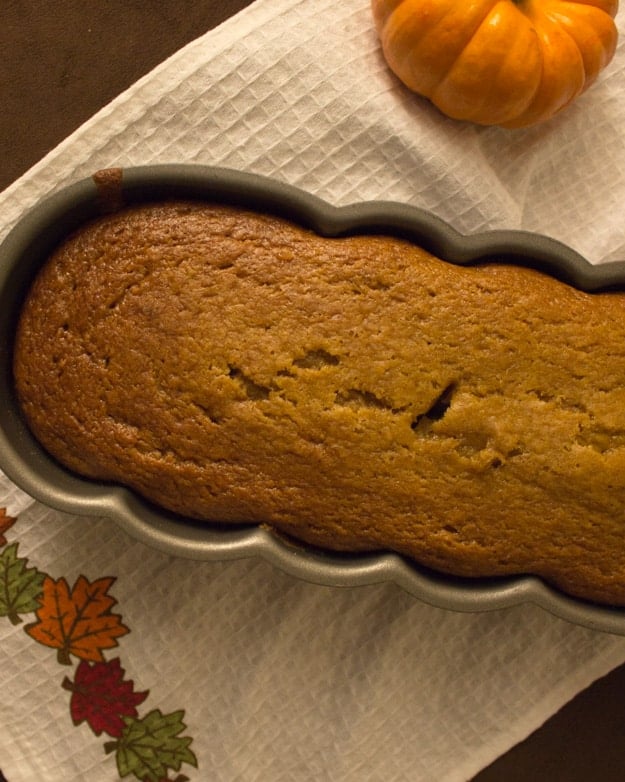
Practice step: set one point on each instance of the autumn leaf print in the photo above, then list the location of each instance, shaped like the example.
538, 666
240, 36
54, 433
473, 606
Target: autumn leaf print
77, 622
101, 697
151, 746
20, 586
6, 522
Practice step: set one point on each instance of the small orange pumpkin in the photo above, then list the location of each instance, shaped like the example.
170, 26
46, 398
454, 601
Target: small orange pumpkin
497, 62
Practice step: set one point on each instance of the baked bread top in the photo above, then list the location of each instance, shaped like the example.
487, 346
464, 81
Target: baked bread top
355, 393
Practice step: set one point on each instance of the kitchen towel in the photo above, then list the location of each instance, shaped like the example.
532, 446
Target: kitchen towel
123, 662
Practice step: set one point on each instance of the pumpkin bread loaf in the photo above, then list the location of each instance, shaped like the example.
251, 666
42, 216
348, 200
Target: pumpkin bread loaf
356, 393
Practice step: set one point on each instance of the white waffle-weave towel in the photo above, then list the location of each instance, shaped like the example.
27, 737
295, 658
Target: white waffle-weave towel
278, 679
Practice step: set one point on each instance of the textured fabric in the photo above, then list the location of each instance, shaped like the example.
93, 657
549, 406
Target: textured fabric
278, 679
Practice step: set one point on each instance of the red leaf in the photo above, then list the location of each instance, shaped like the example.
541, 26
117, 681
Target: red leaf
101, 697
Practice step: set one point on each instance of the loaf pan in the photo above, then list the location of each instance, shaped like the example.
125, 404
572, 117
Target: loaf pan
30, 468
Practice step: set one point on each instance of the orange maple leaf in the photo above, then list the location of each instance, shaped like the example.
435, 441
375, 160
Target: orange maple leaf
6, 522
79, 621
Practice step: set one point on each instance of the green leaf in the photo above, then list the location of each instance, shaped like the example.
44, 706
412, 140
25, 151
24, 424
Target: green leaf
151, 745
20, 586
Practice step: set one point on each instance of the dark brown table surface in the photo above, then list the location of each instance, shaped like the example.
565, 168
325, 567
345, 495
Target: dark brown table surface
61, 62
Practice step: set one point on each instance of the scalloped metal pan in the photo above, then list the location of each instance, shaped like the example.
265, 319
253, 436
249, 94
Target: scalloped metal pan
28, 466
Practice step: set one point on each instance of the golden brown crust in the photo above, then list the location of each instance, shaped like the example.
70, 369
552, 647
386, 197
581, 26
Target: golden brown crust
355, 393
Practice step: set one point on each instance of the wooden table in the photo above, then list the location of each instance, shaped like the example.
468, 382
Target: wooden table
54, 56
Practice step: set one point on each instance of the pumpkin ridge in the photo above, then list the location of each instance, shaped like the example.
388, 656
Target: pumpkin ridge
428, 40
469, 34
519, 95
577, 18
552, 106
